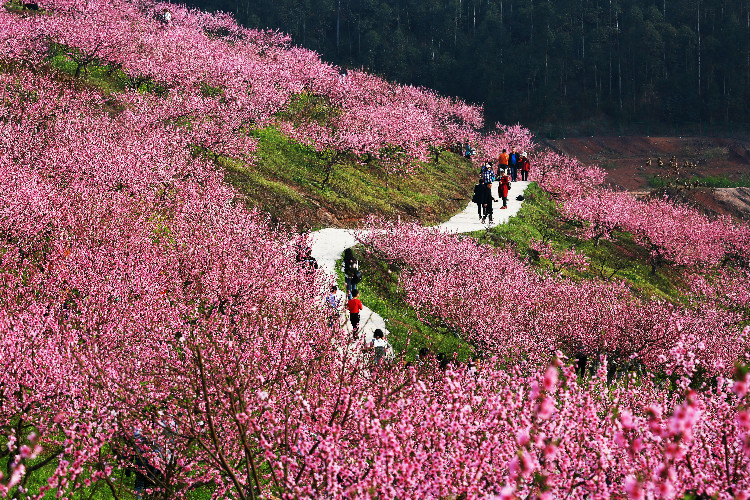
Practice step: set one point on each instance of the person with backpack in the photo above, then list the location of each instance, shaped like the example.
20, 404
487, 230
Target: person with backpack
513, 163
525, 166
352, 274
503, 187
355, 307
488, 174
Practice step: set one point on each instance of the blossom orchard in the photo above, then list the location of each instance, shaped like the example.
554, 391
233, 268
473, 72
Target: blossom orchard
147, 321
672, 233
251, 78
532, 314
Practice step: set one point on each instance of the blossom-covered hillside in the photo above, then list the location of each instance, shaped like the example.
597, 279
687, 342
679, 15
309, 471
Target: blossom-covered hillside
159, 339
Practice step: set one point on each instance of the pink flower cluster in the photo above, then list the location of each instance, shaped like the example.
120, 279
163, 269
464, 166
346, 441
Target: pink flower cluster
504, 306
671, 232
149, 318
222, 80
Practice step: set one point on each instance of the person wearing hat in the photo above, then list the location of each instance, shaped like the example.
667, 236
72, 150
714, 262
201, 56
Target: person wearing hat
488, 175
524, 166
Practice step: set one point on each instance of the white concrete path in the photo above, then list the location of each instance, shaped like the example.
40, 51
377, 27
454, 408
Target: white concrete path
328, 246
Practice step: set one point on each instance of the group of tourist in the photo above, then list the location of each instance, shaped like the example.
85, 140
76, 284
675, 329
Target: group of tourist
336, 301
508, 167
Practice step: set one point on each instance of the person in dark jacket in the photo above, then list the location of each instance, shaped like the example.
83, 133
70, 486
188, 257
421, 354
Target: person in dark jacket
478, 197
351, 268
483, 199
513, 164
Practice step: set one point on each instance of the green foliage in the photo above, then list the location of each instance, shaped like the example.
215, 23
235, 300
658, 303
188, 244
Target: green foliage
641, 62
307, 107
379, 290
618, 258
286, 179
718, 181
207, 90
110, 80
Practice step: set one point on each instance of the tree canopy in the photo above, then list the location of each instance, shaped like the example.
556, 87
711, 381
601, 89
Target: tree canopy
668, 61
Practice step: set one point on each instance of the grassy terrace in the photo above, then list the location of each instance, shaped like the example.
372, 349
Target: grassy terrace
618, 258
287, 181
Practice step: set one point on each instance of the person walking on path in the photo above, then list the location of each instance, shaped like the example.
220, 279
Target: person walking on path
488, 175
525, 166
503, 187
333, 303
513, 163
502, 161
483, 199
488, 202
355, 307
352, 274
379, 344
478, 197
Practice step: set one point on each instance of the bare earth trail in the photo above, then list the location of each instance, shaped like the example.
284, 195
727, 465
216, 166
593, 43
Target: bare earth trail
328, 246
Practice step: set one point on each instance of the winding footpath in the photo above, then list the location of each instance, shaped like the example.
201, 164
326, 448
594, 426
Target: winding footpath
328, 246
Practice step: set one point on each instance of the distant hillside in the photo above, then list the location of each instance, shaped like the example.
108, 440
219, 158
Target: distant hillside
538, 62
307, 142
719, 162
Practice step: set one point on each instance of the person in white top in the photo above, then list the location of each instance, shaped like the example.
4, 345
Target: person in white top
379, 344
333, 303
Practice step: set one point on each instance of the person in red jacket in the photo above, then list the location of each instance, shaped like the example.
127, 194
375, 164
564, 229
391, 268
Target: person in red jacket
525, 167
503, 187
355, 306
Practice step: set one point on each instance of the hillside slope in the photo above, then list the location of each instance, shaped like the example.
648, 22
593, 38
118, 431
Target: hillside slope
626, 158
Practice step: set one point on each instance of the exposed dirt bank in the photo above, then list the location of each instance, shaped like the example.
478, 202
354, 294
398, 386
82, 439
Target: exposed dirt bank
626, 161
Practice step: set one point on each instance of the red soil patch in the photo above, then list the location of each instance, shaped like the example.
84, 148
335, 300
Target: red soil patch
626, 161
625, 158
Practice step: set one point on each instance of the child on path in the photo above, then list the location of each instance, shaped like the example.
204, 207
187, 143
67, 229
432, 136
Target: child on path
333, 302
379, 344
355, 307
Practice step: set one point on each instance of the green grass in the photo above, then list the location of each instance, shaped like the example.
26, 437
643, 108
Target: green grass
286, 179
618, 258
718, 181
406, 332
122, 479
